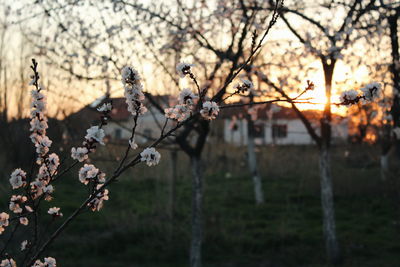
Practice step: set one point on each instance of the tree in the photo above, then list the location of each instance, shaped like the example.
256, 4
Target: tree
156, 26
326, 43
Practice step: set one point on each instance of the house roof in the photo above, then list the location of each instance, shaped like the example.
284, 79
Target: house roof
120, 112
278, 112
120, 108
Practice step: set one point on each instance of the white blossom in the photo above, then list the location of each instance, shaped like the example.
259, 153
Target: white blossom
132, 143
38, 125
37, 187
18, 178
24, 221
16, 202
349, 97
151, 156
106, 107
87, 172
49, 189
372, 91
53, 163
55, 212
3, 221
24, 244
95, 133
48, 262
8, 263
184, 69
210, 110
179, 112
43, 145
133, 91
130, 75
38, 103
44, 174
80, 153
51, 262
187, 97
101, 177
97, 203
245, 86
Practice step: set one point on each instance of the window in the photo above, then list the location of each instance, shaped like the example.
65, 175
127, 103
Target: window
118, 133
279, 131
147, 133
259, 130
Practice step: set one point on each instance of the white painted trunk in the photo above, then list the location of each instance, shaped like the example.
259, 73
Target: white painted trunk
171, 191
252, 160
197, 199
329, 227
384, 166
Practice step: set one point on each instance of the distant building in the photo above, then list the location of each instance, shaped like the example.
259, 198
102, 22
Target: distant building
119, 128
278, 125
274, 124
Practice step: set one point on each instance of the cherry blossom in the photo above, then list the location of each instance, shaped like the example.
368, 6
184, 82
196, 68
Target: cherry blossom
95, 133
8, 263
151, 156
184, 69
80, 153
55, 212
210, 110
87, 172
3, 221
18, 178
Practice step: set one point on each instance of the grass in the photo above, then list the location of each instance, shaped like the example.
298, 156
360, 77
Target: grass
134, 228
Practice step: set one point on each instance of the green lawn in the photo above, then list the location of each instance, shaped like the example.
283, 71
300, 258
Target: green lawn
134, 228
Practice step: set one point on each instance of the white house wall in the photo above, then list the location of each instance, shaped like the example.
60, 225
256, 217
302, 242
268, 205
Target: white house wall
146, 123
296, 133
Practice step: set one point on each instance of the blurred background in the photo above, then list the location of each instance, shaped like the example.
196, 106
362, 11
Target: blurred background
262, 179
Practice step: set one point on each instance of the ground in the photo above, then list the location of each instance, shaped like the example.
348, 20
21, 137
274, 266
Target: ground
135, 229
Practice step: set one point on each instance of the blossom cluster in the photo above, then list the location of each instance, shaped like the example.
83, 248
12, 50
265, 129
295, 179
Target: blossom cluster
3, 221
184, 108
151, 156
133, 91
243, 87
8, 263
368, 93
48, 262
21, 204
88, 173
184, 69
97, 202
93, 136
48, 163
187, 100
210, 110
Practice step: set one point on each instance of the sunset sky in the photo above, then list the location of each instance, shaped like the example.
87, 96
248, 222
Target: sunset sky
345, 76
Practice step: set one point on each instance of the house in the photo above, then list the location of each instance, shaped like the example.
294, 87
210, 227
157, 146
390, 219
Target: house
119, 127
273, 124
277, 125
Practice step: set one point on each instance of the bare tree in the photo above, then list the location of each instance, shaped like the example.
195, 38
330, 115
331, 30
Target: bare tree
325, 43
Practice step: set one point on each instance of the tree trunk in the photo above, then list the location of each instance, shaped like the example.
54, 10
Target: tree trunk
329, 227
385, 140
171, 191
328, 210
384, 166
197, 216
252, 160
394, 68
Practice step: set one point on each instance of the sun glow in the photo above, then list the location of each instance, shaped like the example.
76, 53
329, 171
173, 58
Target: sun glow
343, 79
